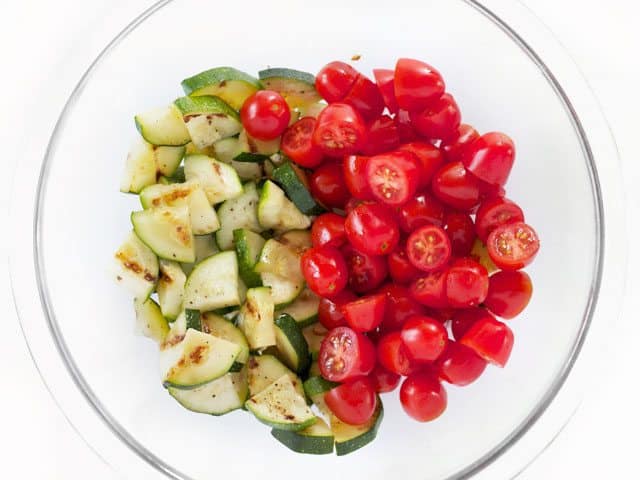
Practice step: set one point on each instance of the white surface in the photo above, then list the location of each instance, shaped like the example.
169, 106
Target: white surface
58, 48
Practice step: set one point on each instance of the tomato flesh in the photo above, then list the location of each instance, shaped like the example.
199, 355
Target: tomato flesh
335, 80
372, 229
495, 212
423, 397
393, 177
467, 283
328, 229
416, 84
354, 402
513, 246
324, 270
297, 143
491, 339
366, 272
429, 248
340, 130
366, 313
424, 338
345, 355
440, 120
459, 365
327, 185
509, 293
330, 309
384, 79
490, 158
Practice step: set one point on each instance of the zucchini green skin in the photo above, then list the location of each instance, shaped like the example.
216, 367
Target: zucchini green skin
247, 258
368, 435
205, 104
216, 75
193, 319
305, 441
291, 344
290, 180
163, 127
297, 88
248, 157
317, 386
304, 309
288, 73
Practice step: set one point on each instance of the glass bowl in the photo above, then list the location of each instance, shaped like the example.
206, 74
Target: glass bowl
506, 72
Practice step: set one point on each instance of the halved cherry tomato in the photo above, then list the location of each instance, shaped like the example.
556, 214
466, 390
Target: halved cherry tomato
419, 211
355, 176
464, 319
382, 136
345, 355
400, 268
490, 191
424, 338
423, 397
393, 355
366, 313
513, 246
416, 84
405, 127
429, 157
365, 97
440, 120
495, 212
340, 130
383, 380
366, 272
400, 307
443, 315
429, 248
354, 402
325, 270
459, 365
455, 147
328, 229
490, 158
467, 283
327, 185
335, 80
509, 293
384, 79
372, 229
393, 177
456, 187
491, 339
265, 115
297, 144
330, 309
461, 231
431, 289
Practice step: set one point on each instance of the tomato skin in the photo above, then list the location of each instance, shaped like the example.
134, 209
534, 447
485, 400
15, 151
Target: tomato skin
416, 84
489, 191
405, 127
467, 283
324, 270
464, 319
400, 268
297, 143
430, 158
382, 136
345, 355
366, 272
330, 309
400, 307
366, 313
459, 365
383, 380
440, 120
461, 231
430, 289
509, 293
372, 229
265, 115
355, 176
335, 80
328, 187
490, 158
328, 229
384, 80
393, 355
423, 397
513, 246
424, 338
421, 210
393, 177
495, 212
340, 130
456, 187
365, 97
429, 248
455, 147
354, 402
491, 339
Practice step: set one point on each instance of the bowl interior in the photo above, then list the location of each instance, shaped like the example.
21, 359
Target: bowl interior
84, 219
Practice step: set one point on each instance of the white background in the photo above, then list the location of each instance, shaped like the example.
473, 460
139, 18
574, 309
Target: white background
46, 45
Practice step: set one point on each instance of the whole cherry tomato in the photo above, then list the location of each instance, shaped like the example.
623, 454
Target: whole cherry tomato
384, 79
366, 272
328, 229
455, 147
456, 187
430, 158
419, 211
400, 268
459, 365
382, 136
467, 283
355, 176
372, 229
400, 307
354, 402
383, 380
328, 187
423, 397
393, 355
509, 293
365, 97
424, 338
461, 231
265, 115
324, 270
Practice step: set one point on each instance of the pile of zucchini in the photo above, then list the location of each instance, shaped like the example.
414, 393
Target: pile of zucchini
213, 261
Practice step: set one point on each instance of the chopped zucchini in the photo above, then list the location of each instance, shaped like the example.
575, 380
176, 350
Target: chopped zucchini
291, 344
294, 182
256, 318
177, 177
220, 327
248, 246
263, 370
232, 85
283, 291
314, 370
317, 385
167, 159
219, 180
149, 320
278, 212
208, 119
312, 109
213, 283
163, 126
205, 246
305, 308
240, 212
314, 440
140, 169
227, 149
280, 260
166, 231
177, 332
297, 88
263, 147
298, 240
480, 253
170, 288
314, 335
136, 267
193, 319
218, 397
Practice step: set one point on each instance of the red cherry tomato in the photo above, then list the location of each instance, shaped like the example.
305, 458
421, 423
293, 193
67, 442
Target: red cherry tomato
464, 319
461, 231
335, 80
328, 229
400, 307
424, 338
429, 157
440, 120
366, 272
455, 147
340, 130
495, 212
459, 365
298, 146
405, 127
467, 283
509, 293
330, 309
383, 380
393, 355
400, 268
328, 187
456, 187
325, 270
429, 248
384, 79
423, 397
355, 176
430, 290
513, 246
491, 340
416, 84
372, 229
393, 177
365, 97
265, 115
366, 313
419, 211
382, 136
443, 315
489, 191
490, 158
345, 355
354, 402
